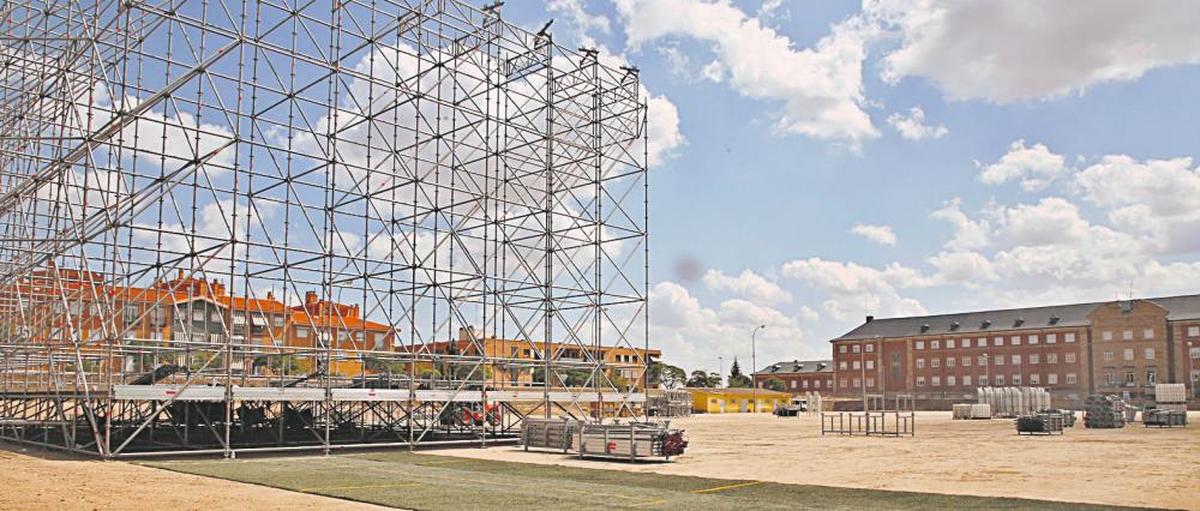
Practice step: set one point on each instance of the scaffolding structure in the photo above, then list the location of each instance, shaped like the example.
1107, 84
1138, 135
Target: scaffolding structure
231, 226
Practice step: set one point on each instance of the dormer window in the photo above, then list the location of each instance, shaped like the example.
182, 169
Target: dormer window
1054, 320
1019, 322
954, 326
924, 327
986, 323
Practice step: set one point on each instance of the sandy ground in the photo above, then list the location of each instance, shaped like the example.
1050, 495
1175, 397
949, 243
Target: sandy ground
46, 481
1131, 466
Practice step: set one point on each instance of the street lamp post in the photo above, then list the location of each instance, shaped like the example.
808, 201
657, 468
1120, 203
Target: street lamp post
721, 374
754, 367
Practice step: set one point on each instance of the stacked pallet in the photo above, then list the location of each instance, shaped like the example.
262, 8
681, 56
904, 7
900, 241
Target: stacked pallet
1040, 423
630, 441
1164, 418
552, 434
1104, 412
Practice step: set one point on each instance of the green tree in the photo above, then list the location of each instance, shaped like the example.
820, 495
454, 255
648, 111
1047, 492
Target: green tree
737, 379
702, 379
666, 376
775, 384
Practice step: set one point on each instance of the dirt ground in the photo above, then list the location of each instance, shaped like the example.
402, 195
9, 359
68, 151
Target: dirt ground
1133, 466
41, 481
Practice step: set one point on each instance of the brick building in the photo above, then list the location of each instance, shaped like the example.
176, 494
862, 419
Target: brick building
798, 376
1119, 347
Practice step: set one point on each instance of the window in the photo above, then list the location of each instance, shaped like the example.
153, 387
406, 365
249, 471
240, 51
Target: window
936, 362
966, 361
920, 363
301, 332
999, 360
999, 379
1110, 378
277, 321
1148, 333
982, 359
1016, 360
933, 345
1052, 358
1128, 353
950, 361
981, 342
1193, 331
1015, 340
843, 382
936, 381
857, 365
870, 348
870, 364
1127, 335
1149, 353
857, 383
920, 381
950, 381
855, 348
999, 341
1069, 357
949, 343
1033, 339
1129, 377
967, 380
1051, 338
1108, 355
197, 314
1151, 376
1034, 359
1052, 379
131, 314
1069, 337
842, 365
1070, 378
794, 384
1016, 379
842, 348
1107, 335
920, 345
870, 382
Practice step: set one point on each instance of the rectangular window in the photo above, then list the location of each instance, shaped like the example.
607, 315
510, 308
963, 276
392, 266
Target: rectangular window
1033, 339
1052, 379
936, 381
1149, 353
967, 380
794, 384
842, 348
277, 320
950, 361
999, 360
1016, 379
1035, 379
1107, 335
982, 359
981, 342
1015, 340
857, 383
870, 348
1052, 358
870, 364
1127, 335
843, 382
1108, 355
1148, 333
870, 382
855, 348
857, 365
1151, 376
1110, 378
933, 345
935, 362
1069, 337
966, 361
301, 332
1069, 357
951, 381
1128, 354
198, 314
999, 341
920, 381
1130, 378
131, 314
842, 365
999, 380
1051, 338
1034, 359
1070, 378
1016, 360
920, 363
920, 345
1193, 331
949, 343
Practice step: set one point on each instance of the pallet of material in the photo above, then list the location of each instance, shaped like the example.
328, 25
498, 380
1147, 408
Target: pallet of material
1040, 424
1164, 418
549, 434
629, 441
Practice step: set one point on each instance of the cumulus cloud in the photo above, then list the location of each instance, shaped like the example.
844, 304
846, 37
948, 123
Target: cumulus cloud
912, 125
747, 285
1034, 167
855, 290
574, 11
819, 88
881, 234
1004, 51
1153, 198
968, 233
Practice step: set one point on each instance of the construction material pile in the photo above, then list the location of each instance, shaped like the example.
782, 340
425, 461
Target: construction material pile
1013, 401
963, 411
1170, 396
1104, 412
1163, 418
631, 440
669, 403
553, 434
1041, 423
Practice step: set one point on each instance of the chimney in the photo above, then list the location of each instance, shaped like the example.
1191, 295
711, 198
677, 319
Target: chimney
310, 297
180, 274
270, 295
870, 318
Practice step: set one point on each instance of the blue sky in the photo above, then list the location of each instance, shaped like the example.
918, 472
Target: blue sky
1050, 158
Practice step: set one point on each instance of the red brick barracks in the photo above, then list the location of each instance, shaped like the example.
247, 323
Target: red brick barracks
1119, 347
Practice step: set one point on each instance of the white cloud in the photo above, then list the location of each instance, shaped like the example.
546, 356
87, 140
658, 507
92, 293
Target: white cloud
747, 285
913, 127
968, 234
881, 234
1157, 199
665, 139
1035, 167
855, 290
1052, 221
574, 11
820, 88
1005, 51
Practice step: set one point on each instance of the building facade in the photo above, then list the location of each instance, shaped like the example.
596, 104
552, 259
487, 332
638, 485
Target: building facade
737, 400
798, 376
1122, 347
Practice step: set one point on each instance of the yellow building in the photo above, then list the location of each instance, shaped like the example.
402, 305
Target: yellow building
736, 400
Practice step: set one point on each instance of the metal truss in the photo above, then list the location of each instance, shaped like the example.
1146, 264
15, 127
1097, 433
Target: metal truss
307, 224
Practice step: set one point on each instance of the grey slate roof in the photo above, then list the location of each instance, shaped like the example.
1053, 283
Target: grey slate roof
1029, 318
798, 366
